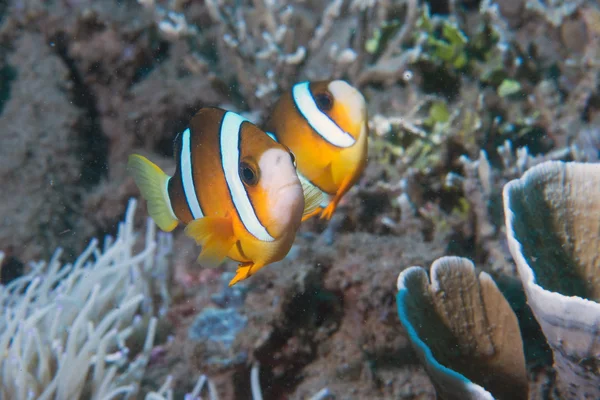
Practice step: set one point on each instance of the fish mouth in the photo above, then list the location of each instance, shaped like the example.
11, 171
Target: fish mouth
287, 185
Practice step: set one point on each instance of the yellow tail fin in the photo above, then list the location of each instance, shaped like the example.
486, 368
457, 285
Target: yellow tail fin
152, 182
215, 235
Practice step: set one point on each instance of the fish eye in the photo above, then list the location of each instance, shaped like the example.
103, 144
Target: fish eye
248, 175
324, 101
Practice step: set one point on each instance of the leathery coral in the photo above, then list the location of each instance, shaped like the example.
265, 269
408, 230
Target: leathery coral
463, 330
553, 230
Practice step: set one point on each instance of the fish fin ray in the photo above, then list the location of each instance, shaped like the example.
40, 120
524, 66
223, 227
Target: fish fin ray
245, 271
215, 235
308, 216
339, 173
152, 182
313, 197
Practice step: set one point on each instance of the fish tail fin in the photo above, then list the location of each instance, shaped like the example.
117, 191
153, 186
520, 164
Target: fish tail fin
152, 182
313, 197
215, 235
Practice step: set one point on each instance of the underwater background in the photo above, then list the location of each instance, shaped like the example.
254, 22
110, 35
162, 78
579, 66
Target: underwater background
464, 263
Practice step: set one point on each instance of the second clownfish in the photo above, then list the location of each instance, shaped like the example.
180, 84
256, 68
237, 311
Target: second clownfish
234, 187
325, 125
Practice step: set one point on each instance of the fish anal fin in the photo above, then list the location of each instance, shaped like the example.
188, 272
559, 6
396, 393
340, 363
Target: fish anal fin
215, 235
152, 182
327, 213
245, 271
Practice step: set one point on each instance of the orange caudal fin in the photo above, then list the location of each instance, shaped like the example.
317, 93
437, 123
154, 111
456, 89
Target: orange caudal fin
244, 271
215, 235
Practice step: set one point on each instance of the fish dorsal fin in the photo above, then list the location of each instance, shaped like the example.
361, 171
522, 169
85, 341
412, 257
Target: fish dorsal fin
313, 196
215, 235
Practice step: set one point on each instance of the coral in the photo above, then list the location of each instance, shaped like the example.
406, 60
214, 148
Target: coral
463, 330
230, 296
83, 97
464, 96
260, 35
587, 143
165, 392
481, 185
553, 228
329, 319
217, 329
39, 153
555, 11
275, 38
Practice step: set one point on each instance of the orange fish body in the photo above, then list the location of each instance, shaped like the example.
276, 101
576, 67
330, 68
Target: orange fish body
325, 125
234, 187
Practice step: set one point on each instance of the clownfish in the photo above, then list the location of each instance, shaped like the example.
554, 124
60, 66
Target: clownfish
234, 188
325, 125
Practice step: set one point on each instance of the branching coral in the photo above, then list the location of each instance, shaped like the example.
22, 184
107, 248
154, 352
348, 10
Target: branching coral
276, 39
264, 46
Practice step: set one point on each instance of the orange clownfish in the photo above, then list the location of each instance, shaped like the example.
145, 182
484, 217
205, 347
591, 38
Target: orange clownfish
234, 188
325, 125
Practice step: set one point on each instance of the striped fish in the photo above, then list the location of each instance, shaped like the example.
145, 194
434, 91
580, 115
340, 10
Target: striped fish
234, 188
325, 125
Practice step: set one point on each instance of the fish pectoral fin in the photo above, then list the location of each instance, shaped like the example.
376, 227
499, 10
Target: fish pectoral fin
313, 197
244, 271
215, 235
308, 216
152, 182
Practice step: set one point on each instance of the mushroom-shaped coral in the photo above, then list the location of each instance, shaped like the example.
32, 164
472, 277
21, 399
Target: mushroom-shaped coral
463, 330
553, 230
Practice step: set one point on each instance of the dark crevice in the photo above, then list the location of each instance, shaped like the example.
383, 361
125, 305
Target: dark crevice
537, 351
372, 205
173, 127
439, 7
93, 141
7, 75
159, 52
3, 7
10, 269
292, 346
439, 80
